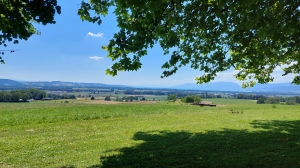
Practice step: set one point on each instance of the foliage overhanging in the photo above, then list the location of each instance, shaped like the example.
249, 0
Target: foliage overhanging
17, 18
253, 37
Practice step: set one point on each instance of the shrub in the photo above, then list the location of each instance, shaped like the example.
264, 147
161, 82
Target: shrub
93, 98
197, 99
172, 97
260, 101
291, 102
271, 100
107, 98
191, 99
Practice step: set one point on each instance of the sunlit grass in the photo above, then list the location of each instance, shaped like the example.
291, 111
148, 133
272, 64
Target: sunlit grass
53, 134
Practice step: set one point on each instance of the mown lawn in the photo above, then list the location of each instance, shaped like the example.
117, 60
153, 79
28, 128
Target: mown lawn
149, 135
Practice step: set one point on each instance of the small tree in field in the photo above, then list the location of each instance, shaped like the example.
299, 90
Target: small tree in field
93, 98
172, 97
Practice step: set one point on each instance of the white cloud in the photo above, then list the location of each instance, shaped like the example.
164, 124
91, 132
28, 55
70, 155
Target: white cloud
95, 35
96, 58
227, 76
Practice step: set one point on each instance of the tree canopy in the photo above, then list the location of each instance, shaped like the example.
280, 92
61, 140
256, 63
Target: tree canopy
252, 37
17, 18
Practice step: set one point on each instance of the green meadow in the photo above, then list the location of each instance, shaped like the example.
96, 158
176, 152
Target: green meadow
236, 133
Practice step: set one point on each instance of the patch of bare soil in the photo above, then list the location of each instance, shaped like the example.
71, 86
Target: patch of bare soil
218, 105
142, 102
206, 102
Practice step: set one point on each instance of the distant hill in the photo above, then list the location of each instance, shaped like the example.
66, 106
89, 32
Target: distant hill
218, 86
52, 85
278, 87
230, 86
213, 86
7, 83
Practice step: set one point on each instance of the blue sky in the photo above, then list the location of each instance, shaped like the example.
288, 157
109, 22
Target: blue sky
70, 50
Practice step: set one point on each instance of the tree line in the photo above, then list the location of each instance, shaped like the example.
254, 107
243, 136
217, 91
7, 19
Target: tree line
276, 100
145, 92
186, 99
249, 96
26, 95
202, 95
63, 96
22, 95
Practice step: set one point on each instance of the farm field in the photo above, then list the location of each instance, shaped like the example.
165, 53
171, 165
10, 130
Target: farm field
102, 95
82, 133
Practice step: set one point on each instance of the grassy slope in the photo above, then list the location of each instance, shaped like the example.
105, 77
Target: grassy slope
156, 135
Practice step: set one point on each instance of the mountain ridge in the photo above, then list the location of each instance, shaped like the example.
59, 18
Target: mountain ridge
230, 86
213, 86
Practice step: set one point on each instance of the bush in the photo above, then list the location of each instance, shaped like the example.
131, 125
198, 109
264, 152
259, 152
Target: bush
92, 98
107, 98
197, 99
172, 97
291, 102
271, 100
260, 101
191, 99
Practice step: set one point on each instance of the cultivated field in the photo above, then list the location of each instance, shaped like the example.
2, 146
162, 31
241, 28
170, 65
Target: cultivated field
84, 133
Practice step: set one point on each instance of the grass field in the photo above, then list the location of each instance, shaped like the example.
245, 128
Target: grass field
164, 134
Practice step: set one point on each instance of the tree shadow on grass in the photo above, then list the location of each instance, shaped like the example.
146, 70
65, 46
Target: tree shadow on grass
273, 144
